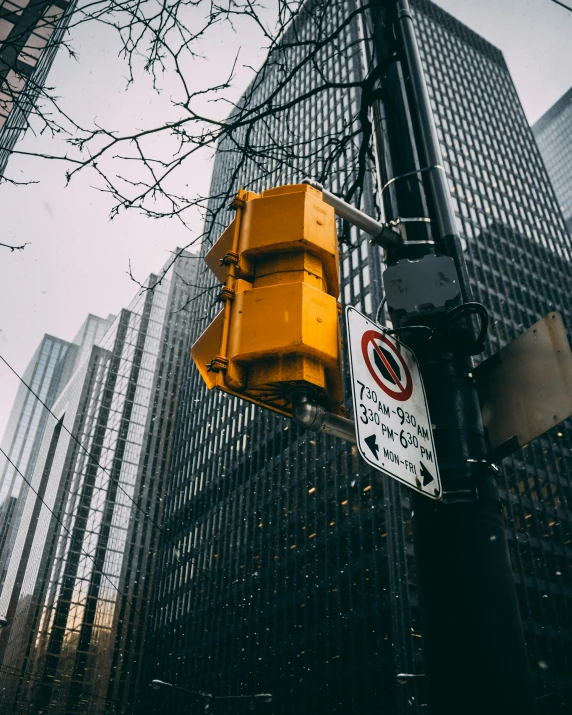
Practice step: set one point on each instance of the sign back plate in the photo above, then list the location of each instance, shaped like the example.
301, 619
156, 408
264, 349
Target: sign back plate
527, 388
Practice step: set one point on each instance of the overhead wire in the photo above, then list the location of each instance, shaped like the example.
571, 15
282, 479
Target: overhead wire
68, 532
380, 310
122, 594
87, 452
90, 455
562, 5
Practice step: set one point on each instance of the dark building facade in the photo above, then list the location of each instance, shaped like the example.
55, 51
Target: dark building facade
553, 132
77, 583
30, 34
286, 564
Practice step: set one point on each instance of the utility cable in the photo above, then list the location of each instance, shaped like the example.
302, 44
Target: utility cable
116, 482
89, 454
409, 173
465, 310
68, 532
380, 310
562, 5
412, 328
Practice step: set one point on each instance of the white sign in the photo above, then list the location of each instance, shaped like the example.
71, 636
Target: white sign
392, 421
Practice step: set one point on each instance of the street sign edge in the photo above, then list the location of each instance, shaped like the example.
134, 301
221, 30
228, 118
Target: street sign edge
363, 455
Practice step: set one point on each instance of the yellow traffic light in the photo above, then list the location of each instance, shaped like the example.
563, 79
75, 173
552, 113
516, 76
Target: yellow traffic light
279, 328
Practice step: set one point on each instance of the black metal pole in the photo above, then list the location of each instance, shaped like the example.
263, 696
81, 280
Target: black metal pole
445, 224
473, 641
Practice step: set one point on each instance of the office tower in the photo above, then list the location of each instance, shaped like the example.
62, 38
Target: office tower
90, 333
553, 133
30, 34
47, 373
286, 565
77, 584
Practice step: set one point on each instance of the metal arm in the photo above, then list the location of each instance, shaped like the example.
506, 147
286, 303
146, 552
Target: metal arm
308, 414
384, 234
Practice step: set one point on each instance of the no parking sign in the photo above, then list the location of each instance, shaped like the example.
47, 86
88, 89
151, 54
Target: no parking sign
392, 420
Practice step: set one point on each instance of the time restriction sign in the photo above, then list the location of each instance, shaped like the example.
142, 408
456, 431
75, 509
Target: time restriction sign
393, 427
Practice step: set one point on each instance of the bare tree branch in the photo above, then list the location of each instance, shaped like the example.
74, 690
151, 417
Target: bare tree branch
14, 248
144, 168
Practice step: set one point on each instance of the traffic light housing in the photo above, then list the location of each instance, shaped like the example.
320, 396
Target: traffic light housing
279, 327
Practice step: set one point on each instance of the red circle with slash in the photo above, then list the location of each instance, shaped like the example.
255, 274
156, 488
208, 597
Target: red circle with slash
403, 383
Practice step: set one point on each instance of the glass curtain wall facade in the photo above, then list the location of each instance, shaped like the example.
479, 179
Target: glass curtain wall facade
77, 583
280, 566
519, 260
30, 34
47, 373
553, 132
286, 565
25, 429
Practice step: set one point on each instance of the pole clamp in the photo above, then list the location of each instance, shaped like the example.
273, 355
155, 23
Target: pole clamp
394, 232
482, 487
238, 203
226, 294
230, 257
217, 364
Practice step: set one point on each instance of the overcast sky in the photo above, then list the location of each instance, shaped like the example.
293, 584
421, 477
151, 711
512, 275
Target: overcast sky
77, 260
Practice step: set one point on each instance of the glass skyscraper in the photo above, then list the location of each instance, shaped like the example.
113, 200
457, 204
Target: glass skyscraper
286, 564
48, 371
553, 132
77, 583
30, 34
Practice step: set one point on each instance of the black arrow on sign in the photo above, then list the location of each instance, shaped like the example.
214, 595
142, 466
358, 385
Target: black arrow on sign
372, 444
426, 474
